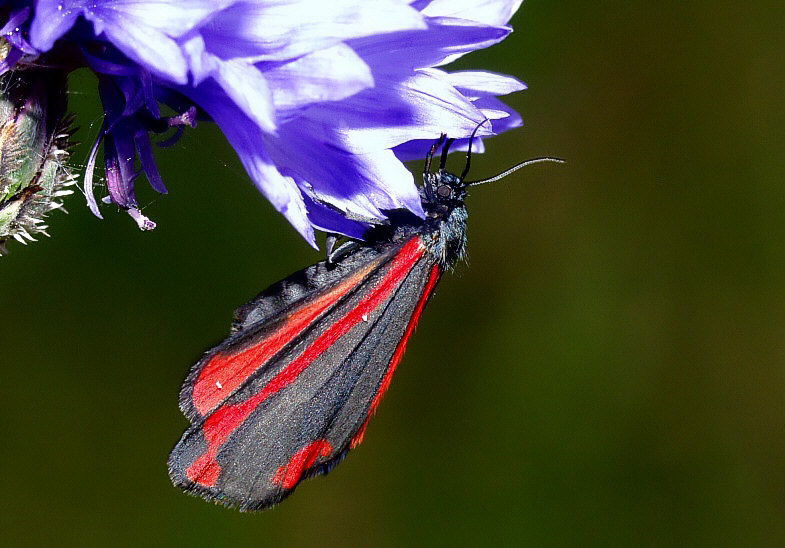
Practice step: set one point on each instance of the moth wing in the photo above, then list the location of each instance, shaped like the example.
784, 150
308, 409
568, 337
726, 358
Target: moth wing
308, 406
266, 325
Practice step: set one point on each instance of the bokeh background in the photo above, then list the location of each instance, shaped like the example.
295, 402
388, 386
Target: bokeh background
609, 370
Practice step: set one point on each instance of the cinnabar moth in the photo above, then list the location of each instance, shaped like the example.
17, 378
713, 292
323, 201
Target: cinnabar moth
292, 388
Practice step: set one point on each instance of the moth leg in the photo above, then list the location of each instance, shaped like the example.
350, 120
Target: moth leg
329, 243
335, 255
348, 214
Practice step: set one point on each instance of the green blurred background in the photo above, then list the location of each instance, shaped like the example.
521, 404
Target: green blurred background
610, 369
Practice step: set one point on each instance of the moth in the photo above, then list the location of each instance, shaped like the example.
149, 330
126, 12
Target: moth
291, 390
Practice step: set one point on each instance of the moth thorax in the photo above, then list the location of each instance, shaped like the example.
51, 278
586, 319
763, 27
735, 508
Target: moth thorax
450, 244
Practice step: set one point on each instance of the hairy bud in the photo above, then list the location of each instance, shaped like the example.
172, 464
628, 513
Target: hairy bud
34, 140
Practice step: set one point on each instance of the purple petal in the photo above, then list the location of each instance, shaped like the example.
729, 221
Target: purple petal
142, 30
15, 20
362, 184
482, 83
489, 12
422, 107
17, 40
121, 99
145, 150
243, 83
149, 47
201, 63
119, 156
324, 218
402, 52
172, 18
247, 88
417, 149
11, 59
51, 20
290, 28
503, 117
12, 31
148, 91
326, 75
110, 67
133, 95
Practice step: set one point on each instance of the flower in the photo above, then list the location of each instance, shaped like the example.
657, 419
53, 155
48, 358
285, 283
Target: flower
321, 101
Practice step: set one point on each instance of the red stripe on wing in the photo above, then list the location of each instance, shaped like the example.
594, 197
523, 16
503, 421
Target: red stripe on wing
226, 371
288, 476
225, 420
433, 279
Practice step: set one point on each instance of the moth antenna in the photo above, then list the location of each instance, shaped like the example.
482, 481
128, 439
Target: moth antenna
469, 151
514, 168
445, 151
431, 152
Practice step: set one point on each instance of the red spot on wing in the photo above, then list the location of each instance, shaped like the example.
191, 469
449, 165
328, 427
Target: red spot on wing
225, 420
226, 371
288, 476
433, 279
204, 471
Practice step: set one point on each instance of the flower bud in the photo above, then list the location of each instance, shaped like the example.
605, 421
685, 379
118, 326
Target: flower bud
34, 140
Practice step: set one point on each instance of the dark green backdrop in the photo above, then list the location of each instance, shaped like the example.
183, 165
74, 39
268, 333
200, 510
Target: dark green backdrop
610, 369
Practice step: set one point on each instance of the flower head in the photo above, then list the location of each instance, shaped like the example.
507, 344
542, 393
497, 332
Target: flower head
322, 101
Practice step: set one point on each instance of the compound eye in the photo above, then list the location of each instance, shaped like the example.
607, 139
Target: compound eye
444, 191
